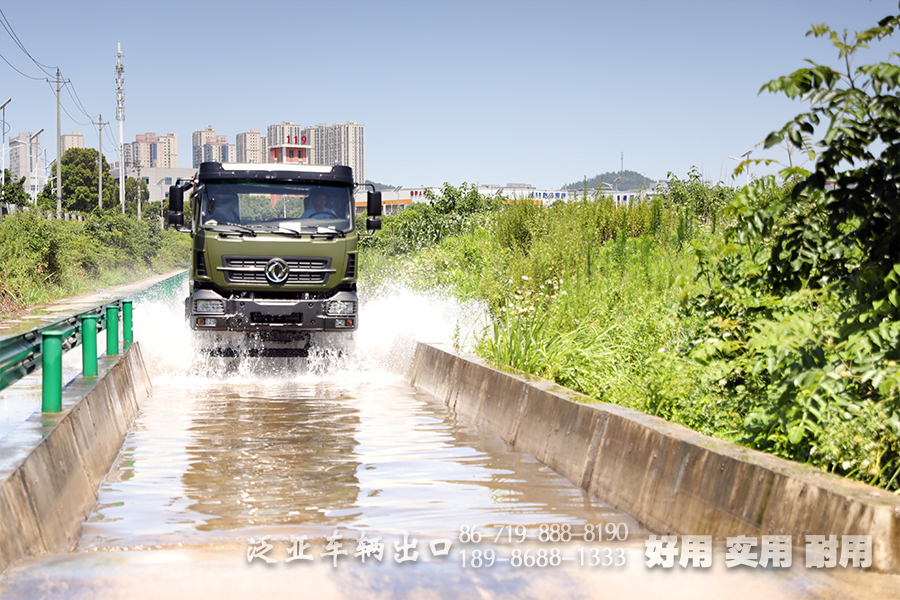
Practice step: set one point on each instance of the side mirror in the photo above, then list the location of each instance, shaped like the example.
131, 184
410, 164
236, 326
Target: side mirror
373, 224
176, 198
176, 206
373, 207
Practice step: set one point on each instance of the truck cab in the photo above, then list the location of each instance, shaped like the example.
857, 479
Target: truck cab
275, 248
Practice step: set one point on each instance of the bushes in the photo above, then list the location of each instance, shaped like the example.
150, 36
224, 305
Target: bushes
41, 259
803, 305
582, 292
124, 241
421, 225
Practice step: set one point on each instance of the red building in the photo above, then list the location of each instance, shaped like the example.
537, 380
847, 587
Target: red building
296, 153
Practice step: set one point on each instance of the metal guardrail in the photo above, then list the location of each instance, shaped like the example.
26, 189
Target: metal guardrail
21, 354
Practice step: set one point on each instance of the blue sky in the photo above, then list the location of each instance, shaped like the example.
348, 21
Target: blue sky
490, 91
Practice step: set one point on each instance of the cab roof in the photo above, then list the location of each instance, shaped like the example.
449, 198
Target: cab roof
339, 174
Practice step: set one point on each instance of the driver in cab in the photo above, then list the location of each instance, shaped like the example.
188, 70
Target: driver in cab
316, 207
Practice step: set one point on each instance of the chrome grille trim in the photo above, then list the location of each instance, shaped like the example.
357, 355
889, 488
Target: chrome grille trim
251, 269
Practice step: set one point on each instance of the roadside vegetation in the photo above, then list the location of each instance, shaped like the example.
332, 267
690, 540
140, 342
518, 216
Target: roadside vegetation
769, 316
42, 259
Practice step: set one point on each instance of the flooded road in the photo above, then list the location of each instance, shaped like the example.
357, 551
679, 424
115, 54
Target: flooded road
331, 477
230, 460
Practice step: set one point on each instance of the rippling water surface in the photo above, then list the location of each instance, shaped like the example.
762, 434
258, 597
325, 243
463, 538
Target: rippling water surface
226, 450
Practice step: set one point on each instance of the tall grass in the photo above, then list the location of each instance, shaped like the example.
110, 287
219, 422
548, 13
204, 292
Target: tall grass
43, 259
585, 293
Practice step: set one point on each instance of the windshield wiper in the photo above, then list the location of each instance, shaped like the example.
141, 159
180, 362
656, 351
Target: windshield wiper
276, 229
311, 231
329, 230
213, 225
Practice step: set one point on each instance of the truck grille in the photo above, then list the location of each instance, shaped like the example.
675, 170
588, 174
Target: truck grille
252, 269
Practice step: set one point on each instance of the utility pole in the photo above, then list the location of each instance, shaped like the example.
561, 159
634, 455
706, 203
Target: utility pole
59, 82
100, 125
120, 117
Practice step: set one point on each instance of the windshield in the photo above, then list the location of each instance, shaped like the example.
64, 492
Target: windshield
251, 203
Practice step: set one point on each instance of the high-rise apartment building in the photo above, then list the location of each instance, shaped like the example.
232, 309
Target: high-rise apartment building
25, 161
142, 149
149, 150
198, 140
251, 147
315, 137
219, 150
284, 133
72, 140
339, 144
167, 151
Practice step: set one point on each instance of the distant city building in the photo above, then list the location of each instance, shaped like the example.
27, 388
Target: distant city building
149, 150
166, 151
72, 140
399, 198
289, 153
25, 161
219, 150
198, 140
316, 138
338, 144
284, 133
251, 147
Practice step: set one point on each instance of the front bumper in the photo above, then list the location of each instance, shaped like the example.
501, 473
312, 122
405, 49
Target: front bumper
257, 314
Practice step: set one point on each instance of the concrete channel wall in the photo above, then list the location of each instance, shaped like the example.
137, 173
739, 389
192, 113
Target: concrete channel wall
671, 479
49, 486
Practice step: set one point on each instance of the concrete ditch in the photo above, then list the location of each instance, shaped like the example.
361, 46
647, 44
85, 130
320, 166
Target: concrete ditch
53, 464
671, 479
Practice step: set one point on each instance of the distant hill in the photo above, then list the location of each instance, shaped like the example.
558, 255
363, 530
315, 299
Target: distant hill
380, 186
628, 180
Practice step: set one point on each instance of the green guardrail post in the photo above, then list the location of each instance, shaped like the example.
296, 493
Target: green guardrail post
127, 330
89, 345
112, 330
51, 371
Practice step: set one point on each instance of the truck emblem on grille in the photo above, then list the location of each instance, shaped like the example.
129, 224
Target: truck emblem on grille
277, 270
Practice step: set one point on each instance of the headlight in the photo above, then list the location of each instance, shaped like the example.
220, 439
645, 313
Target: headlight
340, 307
209, 306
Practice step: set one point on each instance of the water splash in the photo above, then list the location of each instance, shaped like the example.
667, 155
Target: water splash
393, 317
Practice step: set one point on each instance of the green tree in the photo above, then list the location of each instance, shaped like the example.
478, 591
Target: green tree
805, 301
133, 187
14, 190
79, 182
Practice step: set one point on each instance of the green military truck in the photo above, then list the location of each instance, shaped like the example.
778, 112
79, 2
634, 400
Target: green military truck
274, 255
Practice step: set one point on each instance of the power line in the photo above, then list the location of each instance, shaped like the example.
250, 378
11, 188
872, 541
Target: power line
73, 118
18, 71
112, 141
70, 87
12, 34
78, 103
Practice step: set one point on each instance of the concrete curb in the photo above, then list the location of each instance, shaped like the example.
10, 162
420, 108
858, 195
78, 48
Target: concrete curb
671, 479
49, 489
